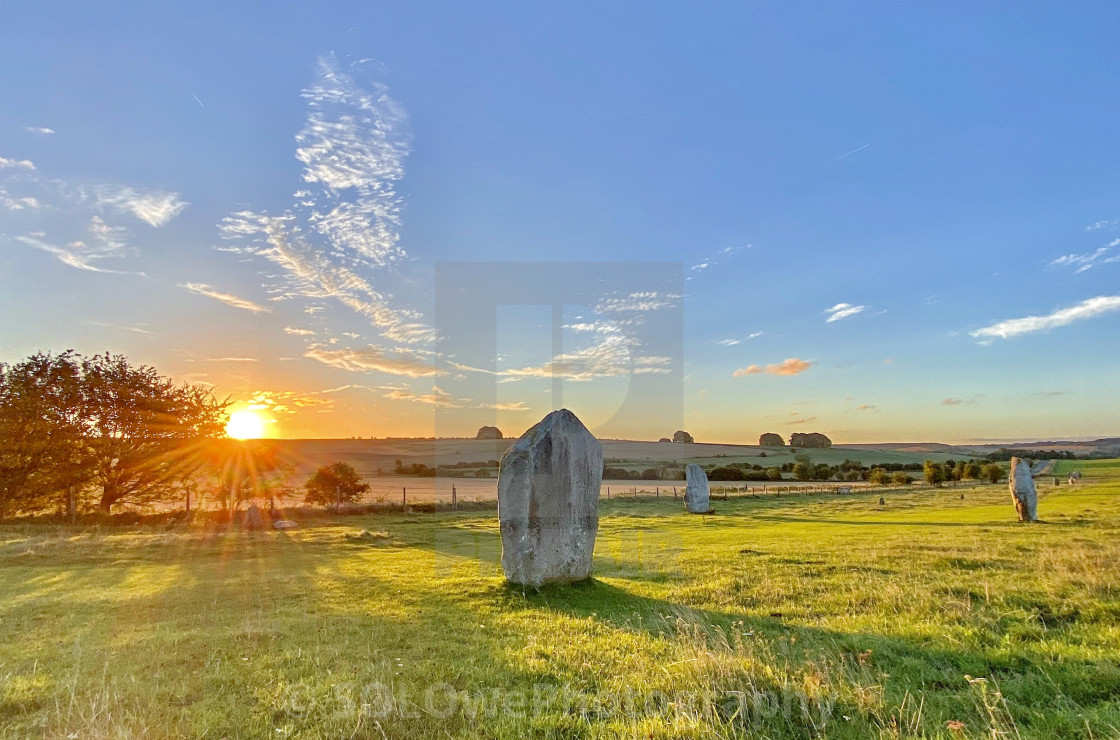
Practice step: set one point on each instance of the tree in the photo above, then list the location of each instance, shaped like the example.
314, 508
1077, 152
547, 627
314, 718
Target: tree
879, 477
41, 430
972, 471
803, 471
992, 473
683, 437
146, 433
810, 439
771, 440
332, 483
901, 479
934, 473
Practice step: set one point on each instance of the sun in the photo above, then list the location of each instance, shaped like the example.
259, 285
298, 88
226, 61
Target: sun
245, 425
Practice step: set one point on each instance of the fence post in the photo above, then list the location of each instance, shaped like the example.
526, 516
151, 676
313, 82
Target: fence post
454, 500
337, 499
404, 497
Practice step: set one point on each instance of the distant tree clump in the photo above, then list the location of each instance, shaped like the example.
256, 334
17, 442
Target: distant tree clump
488, 433
901, 479
682, 436
934, 473
338, 482
771, 440
992, 473
809, 439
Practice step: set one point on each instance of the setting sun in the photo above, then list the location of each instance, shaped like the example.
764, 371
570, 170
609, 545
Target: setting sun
245, 425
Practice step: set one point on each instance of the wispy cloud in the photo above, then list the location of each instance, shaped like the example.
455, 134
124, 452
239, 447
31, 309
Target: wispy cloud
227, 298
232, 359
298, 331
346, 220
867, 407
614, 355
18, 203
952, 402
100, 241
16, 164
802, 420
842, 311
1088, 260
1102, 225
791, 366
731, 342
718, 257
640, 302
374, 359
40, 130
133, 329
153, 207
1087, 309
438, 397
506, 406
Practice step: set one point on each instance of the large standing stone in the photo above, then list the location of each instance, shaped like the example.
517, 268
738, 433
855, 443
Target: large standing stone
548, 502
1023, 492
696, 493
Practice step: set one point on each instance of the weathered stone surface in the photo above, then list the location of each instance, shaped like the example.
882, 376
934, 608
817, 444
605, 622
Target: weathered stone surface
488, 433
548, 502
1023, 493
696, 493
253, 517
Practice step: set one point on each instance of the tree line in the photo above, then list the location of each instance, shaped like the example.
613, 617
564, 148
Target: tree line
101, 431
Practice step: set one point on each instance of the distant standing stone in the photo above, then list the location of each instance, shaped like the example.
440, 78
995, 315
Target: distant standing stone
548, 502
696, 493
253, 518
1023, 493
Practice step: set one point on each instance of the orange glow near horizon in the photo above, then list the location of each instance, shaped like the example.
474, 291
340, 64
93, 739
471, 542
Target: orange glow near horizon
247, 424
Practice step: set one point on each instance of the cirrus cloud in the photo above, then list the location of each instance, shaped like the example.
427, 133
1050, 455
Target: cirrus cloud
1087, 309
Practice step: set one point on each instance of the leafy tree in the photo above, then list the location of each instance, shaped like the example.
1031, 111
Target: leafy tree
901, 479
771, 440
145, 432
774, 473
992, 473
879, 477
331, 483
934, 473
41, 430
803, 471
972, 471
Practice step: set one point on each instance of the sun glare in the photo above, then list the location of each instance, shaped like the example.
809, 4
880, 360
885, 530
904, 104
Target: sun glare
245, 425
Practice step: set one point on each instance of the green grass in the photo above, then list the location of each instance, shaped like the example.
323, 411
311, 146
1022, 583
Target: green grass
695, 626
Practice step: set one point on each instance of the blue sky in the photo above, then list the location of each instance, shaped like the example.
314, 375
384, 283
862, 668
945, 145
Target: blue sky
895, 222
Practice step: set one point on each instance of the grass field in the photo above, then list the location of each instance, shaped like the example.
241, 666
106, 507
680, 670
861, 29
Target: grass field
791, 617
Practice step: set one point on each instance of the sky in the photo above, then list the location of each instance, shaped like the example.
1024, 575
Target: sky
879, 221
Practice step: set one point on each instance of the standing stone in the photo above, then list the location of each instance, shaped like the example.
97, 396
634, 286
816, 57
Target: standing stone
1023, 492
548, 502
696, 492
253, 518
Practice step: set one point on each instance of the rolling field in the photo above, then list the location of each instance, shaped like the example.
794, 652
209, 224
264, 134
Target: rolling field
791, 617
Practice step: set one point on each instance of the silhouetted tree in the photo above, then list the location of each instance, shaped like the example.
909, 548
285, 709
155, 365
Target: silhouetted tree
336, 482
